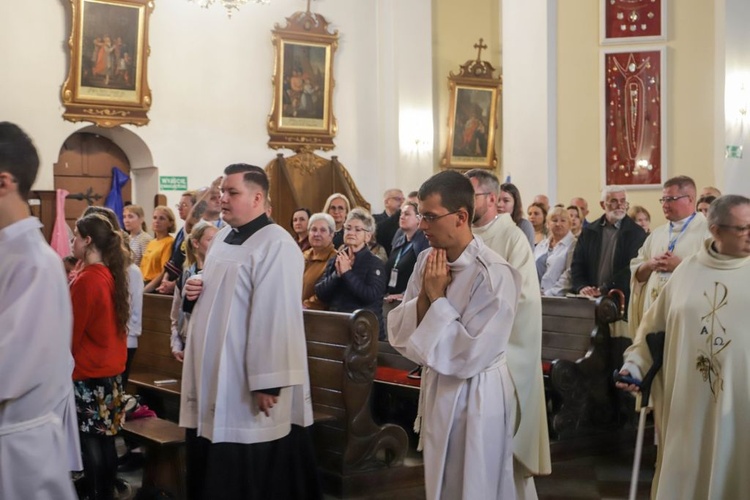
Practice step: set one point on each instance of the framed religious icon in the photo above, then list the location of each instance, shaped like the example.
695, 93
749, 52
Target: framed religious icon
472, 119
107, 78
633, 21
634, 116
302, 112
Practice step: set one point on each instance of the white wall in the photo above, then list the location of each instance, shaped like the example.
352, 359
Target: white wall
210, 78
734, 67
529, 34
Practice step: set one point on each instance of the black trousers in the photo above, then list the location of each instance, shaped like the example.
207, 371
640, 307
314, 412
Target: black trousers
276, 470
99, 465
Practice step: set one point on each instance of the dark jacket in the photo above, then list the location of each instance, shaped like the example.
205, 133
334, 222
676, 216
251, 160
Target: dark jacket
407, 261
361, 288
585, 265
386, 230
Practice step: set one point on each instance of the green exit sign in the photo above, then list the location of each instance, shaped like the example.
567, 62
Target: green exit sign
734, 152
172, 183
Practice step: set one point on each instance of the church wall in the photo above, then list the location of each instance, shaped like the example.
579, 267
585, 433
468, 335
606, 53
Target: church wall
210, 78
689, 100
457, 27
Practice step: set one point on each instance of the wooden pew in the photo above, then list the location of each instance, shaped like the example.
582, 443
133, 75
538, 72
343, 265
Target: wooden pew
577, 343
153, 361
354, 453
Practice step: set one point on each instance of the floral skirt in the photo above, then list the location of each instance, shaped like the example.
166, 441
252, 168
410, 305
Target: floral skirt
99, 405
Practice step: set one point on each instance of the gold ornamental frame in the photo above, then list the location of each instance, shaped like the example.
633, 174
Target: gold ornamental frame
472, 120
107, 80
301, 115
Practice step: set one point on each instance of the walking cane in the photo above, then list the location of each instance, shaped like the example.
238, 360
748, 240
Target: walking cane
655, 342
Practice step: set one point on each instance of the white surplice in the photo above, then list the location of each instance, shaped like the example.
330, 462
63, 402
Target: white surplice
38, 426
246, 333
687, 243
466, 399
702, 393
531, 440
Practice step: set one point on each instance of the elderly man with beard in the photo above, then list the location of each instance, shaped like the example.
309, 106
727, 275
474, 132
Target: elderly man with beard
601, 261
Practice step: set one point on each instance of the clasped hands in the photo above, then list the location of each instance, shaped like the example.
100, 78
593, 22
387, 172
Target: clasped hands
437, 275
665, 263
344, 261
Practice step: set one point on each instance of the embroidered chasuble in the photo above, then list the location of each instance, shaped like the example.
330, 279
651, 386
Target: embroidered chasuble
702, 393
531, 440
685, 244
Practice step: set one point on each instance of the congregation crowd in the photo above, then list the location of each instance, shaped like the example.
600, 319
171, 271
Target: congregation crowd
458, 263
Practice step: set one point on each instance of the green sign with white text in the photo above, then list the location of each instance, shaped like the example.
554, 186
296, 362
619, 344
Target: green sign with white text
172, 183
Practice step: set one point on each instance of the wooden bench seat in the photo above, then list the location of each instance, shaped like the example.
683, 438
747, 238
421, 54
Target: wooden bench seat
163, 442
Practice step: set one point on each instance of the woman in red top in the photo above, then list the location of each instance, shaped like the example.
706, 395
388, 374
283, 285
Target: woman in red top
99, 294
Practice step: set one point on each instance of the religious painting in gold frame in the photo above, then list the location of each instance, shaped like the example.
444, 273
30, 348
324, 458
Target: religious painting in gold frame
107, 78
302, 113
472, 121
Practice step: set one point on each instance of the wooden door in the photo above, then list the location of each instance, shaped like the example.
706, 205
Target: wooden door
84, 166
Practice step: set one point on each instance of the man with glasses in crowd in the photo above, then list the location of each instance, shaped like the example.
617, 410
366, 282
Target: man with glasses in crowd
455, 320
701, 398
666, 246
601, 261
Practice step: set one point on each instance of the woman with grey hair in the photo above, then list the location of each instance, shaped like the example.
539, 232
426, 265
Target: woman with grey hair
355, 278
320, 229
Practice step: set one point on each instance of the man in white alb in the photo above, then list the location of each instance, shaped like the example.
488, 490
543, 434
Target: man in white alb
665, 247
245, 387
701, 395
455, 320
499, 232
38, 428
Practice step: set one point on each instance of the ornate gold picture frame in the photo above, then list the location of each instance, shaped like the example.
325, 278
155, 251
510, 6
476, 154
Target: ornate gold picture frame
302, 113
107, 79
472, 120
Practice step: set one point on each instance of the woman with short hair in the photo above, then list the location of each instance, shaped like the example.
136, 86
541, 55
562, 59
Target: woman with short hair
355, 278
320, 232
554, 254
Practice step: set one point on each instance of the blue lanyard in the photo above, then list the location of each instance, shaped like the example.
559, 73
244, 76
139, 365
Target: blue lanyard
673, 242
401, 252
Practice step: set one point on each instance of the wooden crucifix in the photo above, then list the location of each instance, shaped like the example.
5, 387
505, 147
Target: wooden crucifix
479, 46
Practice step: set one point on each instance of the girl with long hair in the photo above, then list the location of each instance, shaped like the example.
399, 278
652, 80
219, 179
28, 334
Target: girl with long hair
101, 309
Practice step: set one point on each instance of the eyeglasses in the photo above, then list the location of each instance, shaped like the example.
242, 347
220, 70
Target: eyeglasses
352, 229
333, 208
430, 218
670, 199
481, 194
741, 230
616, 203
181, 205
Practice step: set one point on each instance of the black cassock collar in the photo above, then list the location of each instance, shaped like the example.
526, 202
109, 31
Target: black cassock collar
238, 235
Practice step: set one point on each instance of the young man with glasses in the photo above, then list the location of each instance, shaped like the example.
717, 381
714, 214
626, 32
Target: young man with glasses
666, 246
455, 320
601, 261
701, 403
